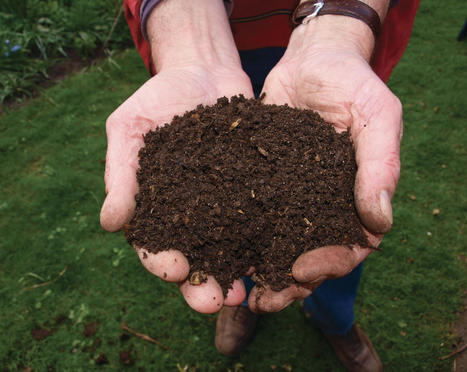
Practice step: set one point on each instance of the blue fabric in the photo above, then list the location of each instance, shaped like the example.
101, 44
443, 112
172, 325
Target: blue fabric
249, 284
331, 304
258, 62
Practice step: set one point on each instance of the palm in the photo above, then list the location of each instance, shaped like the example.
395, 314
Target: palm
167, 94
346, 92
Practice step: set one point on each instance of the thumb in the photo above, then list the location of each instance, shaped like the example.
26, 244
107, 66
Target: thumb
120, 173
118, 208
377, 153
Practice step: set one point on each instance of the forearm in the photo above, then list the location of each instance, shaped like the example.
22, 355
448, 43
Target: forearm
340, 32
183, 33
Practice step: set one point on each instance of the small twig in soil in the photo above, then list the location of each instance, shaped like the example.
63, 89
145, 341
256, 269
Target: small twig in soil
461, 349
48, 282
143, 336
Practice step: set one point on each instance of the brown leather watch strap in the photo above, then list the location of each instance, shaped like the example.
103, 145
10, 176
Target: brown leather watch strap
350, 8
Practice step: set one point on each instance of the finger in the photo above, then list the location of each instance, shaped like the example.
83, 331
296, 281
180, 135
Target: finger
124, 140
265, 300
328, 262
171, 266
236, 294
204, 298
377, 144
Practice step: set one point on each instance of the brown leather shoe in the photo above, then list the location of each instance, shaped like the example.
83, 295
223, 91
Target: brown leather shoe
355, 351
235, 328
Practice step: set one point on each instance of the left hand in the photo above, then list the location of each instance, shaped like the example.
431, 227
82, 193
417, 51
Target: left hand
330, 74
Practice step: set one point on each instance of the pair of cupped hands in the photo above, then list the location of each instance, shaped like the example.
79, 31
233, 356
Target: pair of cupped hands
337, 83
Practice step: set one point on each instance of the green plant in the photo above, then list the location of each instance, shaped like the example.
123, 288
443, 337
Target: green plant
46, 31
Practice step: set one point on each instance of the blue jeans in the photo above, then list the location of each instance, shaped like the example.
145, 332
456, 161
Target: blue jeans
332, 304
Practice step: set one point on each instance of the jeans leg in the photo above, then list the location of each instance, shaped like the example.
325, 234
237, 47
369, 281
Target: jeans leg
249, 284
332, 304
258, 62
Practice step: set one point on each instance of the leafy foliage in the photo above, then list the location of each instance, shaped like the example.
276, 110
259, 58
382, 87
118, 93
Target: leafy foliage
35, 34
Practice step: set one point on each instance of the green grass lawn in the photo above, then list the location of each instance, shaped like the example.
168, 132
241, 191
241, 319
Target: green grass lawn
52, 160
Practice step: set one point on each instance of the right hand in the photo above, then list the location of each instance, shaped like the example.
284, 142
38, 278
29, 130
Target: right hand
172, 91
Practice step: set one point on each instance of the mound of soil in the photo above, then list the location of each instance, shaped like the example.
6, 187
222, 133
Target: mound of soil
241, 184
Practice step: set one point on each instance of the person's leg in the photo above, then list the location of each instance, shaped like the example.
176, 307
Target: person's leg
331, 309
331, 306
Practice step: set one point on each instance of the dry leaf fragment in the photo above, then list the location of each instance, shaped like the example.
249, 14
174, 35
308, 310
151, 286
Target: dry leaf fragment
235, 124
412, 197
198, 277
262, 151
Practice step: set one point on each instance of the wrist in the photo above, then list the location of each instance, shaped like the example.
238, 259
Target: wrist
340, 30
185, 33
331, 32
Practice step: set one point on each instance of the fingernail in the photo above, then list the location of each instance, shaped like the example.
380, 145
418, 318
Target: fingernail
385, 205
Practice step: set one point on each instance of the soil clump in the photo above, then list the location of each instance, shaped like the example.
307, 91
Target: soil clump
241, 184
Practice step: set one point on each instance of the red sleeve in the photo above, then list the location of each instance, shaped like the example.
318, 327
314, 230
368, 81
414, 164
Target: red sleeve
132, 14
263, 24
394, 37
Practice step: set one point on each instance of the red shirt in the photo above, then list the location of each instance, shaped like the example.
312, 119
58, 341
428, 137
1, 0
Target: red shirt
260, 24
